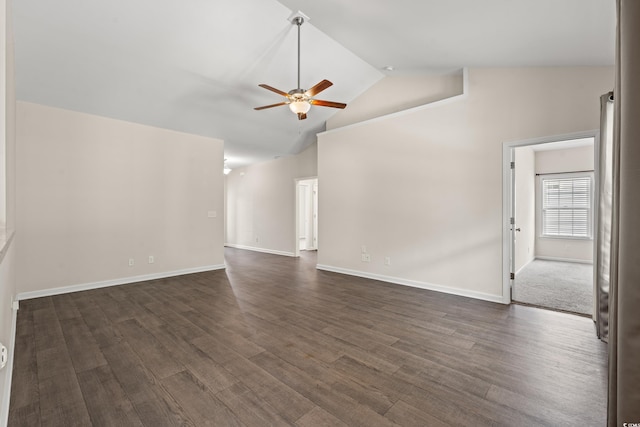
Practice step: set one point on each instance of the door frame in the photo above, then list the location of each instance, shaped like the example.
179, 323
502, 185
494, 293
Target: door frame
296, 234
508, 200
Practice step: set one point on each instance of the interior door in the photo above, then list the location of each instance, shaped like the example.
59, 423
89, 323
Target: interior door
315, 215
307, 221
303, 222
512, 222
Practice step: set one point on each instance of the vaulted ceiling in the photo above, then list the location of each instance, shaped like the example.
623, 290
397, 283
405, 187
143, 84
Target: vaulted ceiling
194, 66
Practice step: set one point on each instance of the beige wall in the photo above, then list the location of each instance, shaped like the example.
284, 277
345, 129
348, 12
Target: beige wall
7, 147
10, 110
525, 207
7, 118
425, 188
94, 192
260, 203
565, 160
557, 161
3, 107
393, 94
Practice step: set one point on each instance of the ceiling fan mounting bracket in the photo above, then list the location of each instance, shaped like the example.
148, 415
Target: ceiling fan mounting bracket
295, 16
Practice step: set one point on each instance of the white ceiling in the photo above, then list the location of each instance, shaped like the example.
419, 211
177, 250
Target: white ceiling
194, 66
417, 35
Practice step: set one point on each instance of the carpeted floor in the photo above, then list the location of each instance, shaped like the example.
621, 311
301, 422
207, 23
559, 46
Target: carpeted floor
557, 285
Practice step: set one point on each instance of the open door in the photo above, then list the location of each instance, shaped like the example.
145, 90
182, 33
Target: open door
512, 224
524, 241
307, 215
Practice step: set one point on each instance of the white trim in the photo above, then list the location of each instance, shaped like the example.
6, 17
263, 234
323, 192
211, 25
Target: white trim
115, 282
549, 139
263, 250
552, 258
414, 283
540, 208
507, 152
296, 214
296, 231
463, 95
507, 148
6, 393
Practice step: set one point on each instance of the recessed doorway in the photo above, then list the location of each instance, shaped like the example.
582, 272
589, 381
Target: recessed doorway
549, 233
306, 215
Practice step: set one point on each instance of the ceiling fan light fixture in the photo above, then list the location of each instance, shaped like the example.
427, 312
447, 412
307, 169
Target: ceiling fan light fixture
300, 100
299, 107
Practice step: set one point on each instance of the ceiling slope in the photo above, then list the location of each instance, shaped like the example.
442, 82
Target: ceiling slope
418, 35
195, 66
188, 66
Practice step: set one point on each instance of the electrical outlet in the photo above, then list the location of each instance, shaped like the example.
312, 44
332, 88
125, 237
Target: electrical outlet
366, 258
257, 239
131, 262
387, 260
364, 249
151, 259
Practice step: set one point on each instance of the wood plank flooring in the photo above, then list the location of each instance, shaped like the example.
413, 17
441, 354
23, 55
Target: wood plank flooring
272, 341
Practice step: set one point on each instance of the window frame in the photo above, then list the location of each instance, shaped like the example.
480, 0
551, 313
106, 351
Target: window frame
540, 208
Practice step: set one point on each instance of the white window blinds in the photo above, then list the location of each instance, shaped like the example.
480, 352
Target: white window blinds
566, 207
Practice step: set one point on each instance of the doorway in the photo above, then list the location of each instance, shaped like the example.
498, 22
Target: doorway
548, 237
306, 215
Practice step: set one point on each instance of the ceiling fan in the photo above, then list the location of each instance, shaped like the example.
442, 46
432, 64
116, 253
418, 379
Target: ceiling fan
300, 100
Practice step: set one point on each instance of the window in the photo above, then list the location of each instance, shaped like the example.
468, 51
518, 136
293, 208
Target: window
567, 205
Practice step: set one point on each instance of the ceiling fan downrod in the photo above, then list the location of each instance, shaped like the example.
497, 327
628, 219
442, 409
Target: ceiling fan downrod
299, 20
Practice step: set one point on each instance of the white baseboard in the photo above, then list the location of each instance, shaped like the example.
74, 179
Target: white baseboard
551, 258
525, 265
6, 393
415, 284
263, 250
115, 282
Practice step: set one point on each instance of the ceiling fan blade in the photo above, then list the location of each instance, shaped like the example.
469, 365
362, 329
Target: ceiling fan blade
271, 106
321, 103
302, 116
273, 89
318, 88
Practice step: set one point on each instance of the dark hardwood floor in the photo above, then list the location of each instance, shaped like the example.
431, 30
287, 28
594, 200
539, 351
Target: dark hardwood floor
273, 341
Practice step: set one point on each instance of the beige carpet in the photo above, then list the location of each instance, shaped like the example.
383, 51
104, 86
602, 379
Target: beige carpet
558, 285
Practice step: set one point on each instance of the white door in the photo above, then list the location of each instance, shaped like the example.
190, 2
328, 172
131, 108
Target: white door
303, 218
307, 220
512, 221
314, 215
